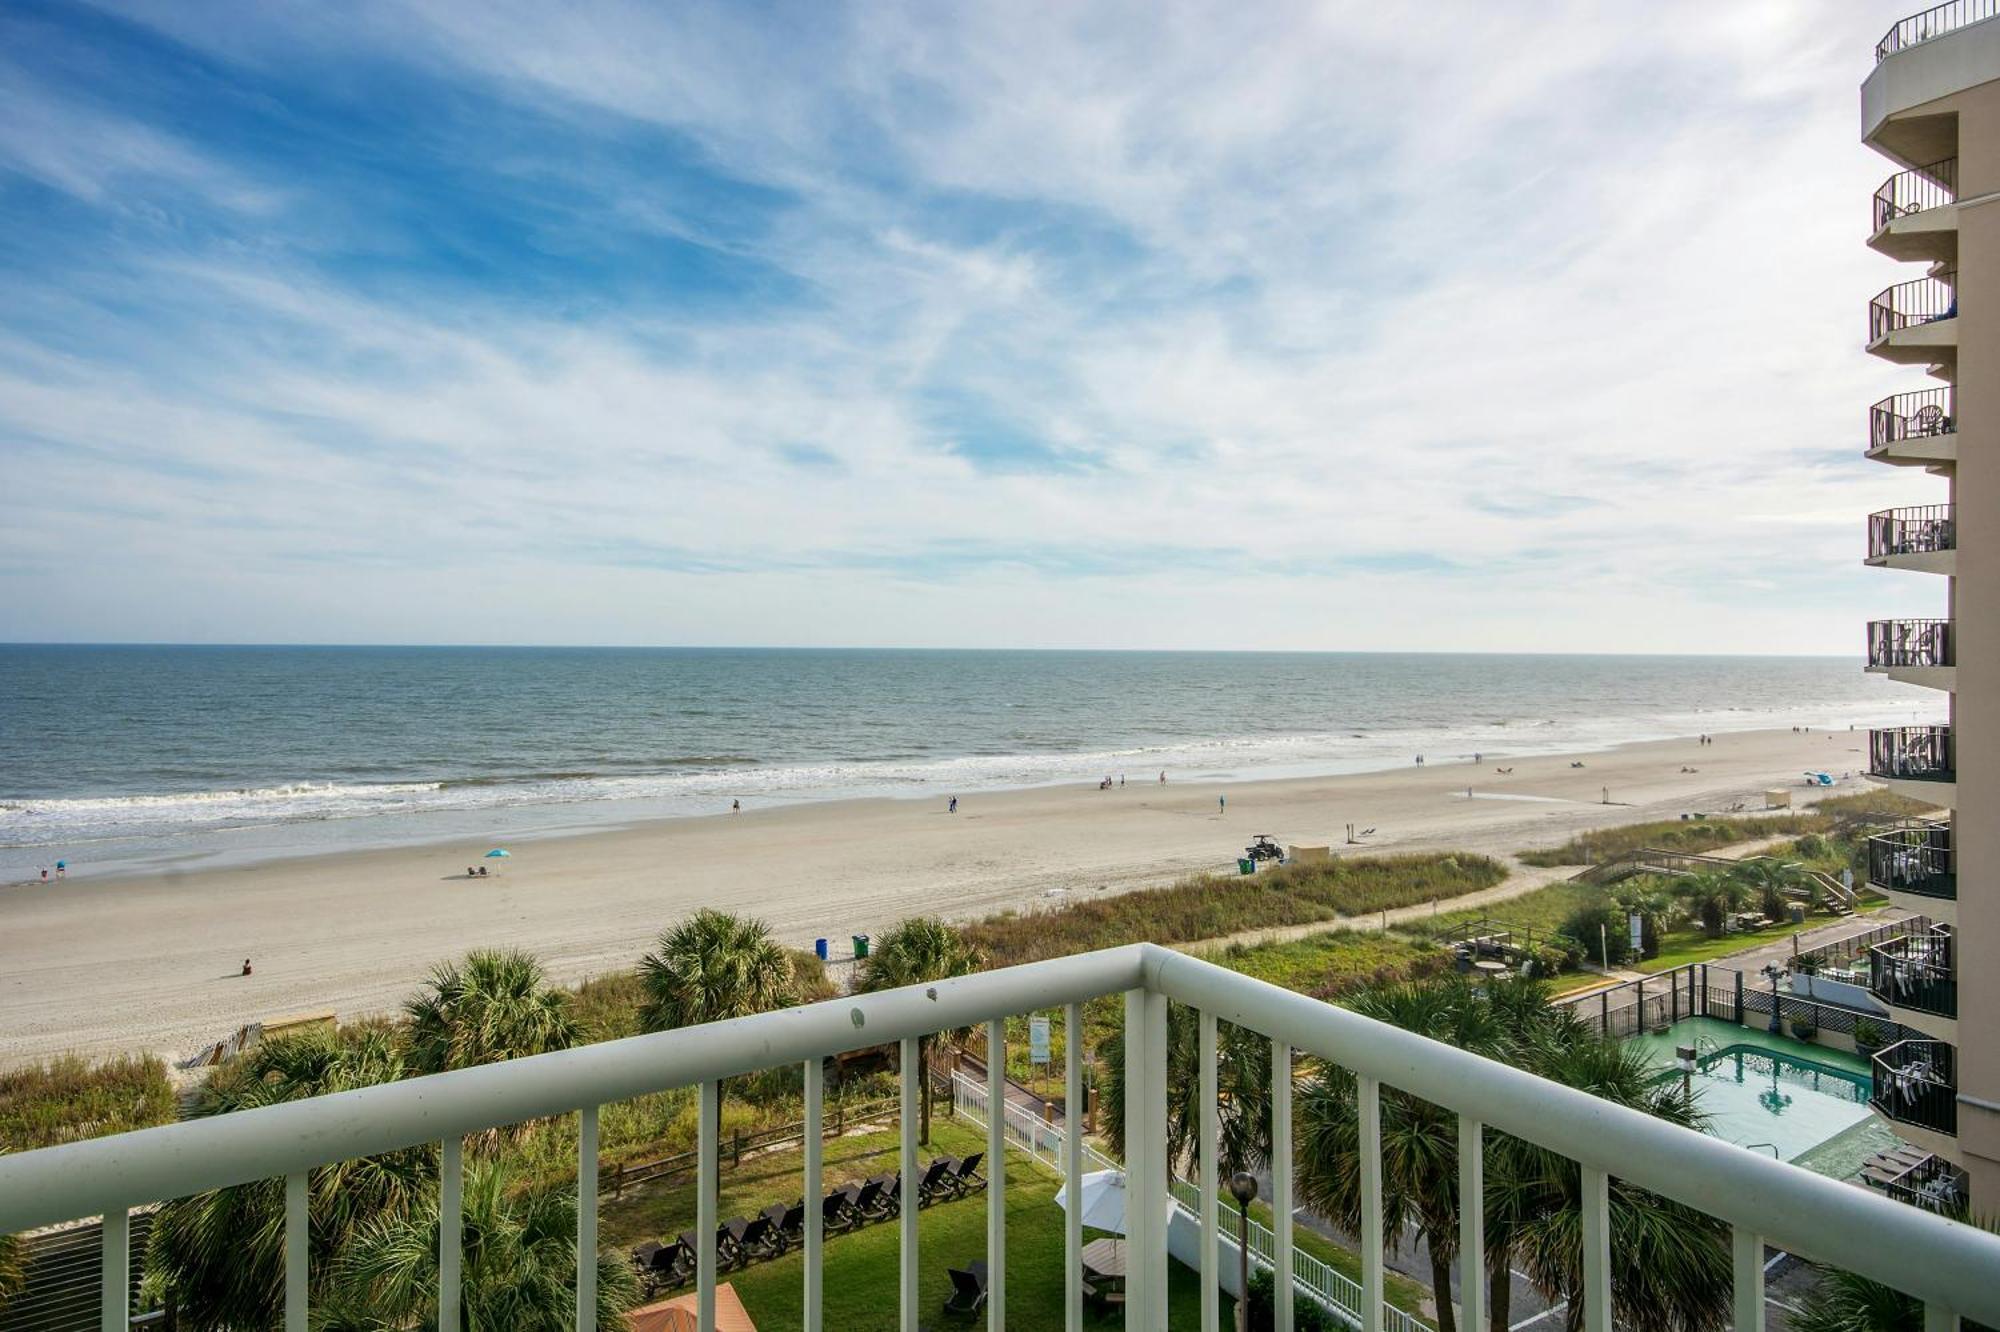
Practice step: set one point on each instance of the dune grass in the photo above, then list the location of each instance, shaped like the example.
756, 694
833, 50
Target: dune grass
69, 1098
1214, 906
1831, 815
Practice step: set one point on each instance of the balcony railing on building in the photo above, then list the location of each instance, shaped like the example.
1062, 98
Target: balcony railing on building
1909, 644
1935, 22
1915, 972
1916, 1083
1933, 1184
1924, 300
1916, 191
1912, 754
1919, 529
1926, 414
1915, 859
1764, 1202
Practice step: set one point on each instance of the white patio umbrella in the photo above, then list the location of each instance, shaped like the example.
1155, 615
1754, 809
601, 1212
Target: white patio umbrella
1103, 1200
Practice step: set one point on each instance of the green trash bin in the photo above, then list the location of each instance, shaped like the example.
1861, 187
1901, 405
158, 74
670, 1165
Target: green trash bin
1246, 866
860, 946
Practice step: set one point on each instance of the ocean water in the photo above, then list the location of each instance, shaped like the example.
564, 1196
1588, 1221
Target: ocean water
116, 757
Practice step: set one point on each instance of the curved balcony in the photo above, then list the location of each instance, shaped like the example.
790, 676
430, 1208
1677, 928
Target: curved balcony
1914, 859
1916, 214
1915, 973
1915, 428
1923, 537
1916, 1083
1916, 761
1916, 322
1918, 652
1935, 22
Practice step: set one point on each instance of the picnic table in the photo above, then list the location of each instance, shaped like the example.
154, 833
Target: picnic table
1105, 1258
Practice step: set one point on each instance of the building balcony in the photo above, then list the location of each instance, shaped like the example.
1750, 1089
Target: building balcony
1915, 861
1935, 22
1932, 1183
1917, 652
1916, 761
1916, 322
1913, 975
1916, 1086
1916, 214
1922, 538
1915, 429
1762, 1201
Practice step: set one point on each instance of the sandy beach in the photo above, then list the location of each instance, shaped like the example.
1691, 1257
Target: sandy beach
151, 963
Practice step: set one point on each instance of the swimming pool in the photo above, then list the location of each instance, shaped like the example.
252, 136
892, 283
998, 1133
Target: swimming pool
1781, 1097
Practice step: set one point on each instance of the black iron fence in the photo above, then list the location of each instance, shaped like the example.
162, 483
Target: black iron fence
1902, 643
1916, 191
1912, 753
1919, 529
1932, 1183
1653, 1003
1923, 300
1916, 1082
1915, 859
1915, 972
1924, 414
1933, 23
1854, 947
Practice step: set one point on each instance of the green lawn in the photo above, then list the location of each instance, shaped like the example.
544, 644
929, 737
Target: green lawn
1680, 947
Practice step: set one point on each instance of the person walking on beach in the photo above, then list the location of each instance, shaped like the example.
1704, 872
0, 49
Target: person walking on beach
1163, 777
736, 807
953, 807
62, 870
1222, 804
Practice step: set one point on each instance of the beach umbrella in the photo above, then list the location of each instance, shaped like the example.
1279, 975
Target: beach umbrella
498, 853
1102, 1198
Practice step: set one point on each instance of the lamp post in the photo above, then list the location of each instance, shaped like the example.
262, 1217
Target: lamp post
1775, 973
1243, 1187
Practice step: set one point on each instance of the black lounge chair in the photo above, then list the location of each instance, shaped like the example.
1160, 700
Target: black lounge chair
642, 1263
891, 1202
968, 1290
868, 1202
788, 1224
728, 1253
933, 1185
756, 1238
837, 1212
966, 1179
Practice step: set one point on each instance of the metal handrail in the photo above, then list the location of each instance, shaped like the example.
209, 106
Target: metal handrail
1912, 753
1924, 414
1917, 529
1935, 22
1916, 191
1915, 972
1950, 1265
1924, 300
1909, 643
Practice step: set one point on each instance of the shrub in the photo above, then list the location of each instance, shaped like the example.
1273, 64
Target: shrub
1307, 1314
1581, 927
69, 1098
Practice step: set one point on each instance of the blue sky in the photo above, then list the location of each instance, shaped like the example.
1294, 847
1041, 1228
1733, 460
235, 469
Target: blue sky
1463, 326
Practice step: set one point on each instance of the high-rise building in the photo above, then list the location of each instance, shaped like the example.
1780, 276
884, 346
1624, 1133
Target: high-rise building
1932, 105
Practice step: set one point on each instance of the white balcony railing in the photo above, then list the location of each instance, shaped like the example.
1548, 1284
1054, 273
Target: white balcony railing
1953, 1268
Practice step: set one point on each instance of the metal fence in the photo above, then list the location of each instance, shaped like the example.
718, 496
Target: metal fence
64, 1270
1916, 1083
1852, 948
1933, 23
1908, 643
1914, 753
1653, 1003
1043, 1143
1916, 529
1924, 300
1915, 191
1914, 859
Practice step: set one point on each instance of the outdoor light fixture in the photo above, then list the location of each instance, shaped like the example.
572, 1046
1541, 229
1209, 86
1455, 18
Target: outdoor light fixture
1243, 1187
1775, 973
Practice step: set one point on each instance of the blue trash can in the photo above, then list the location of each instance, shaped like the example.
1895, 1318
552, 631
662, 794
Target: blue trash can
819, 946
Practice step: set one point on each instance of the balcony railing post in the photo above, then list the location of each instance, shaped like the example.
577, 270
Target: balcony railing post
1472, 1223
996, 1174
1073, 1116
586, 1219
1211, 1182
1281, 1184
1146, 1160
1596, 1203
451, 1232
815, 1093
298, 1236
708, 1172
906, 1194
1748, 1275
1368, 1094
1937, 1318
115, 1274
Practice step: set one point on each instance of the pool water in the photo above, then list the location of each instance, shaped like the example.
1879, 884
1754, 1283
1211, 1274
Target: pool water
1781, 1097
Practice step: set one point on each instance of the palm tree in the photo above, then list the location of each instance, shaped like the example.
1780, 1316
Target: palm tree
518, 1266
711, 967
1768, 879
492, 1006
918, 951
1711, 897
1645, 899
219, 1255
1845, 1302
1419, 1139
1243, 1093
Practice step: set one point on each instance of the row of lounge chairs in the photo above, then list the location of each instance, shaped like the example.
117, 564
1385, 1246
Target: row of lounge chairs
781, 1227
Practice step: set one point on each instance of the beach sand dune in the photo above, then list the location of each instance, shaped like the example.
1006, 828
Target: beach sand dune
151, 962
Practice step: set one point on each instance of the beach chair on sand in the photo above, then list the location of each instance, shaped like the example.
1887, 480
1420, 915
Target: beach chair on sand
968, 1290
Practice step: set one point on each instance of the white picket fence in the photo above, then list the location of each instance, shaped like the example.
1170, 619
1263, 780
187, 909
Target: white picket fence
1043, 1142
